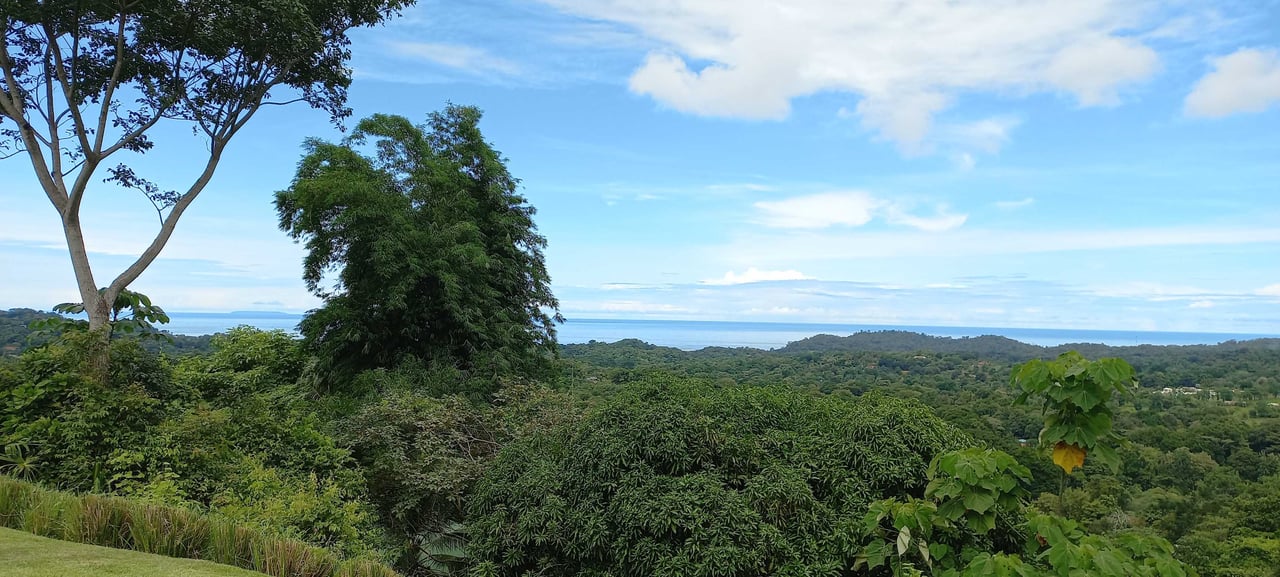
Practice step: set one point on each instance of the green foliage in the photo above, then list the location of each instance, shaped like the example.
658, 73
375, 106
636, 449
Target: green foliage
229, 431
443, 552
968, 492
423, 455
437, 256
902, 531
971, 392
1069, 551
679, 478
141, 318
1075, 398
168, 531
972, 484
18, 461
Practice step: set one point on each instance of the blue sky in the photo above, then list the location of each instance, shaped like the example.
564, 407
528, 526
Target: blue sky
1021, 163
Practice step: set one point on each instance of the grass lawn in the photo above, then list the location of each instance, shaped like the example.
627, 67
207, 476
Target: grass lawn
25, 555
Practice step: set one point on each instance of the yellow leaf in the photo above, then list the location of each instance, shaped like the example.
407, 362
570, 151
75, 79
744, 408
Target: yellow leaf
1068, 456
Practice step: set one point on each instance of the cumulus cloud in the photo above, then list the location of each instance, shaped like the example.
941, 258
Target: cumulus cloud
905, 60
1093, 69
849, 209
1247, 80
753, 274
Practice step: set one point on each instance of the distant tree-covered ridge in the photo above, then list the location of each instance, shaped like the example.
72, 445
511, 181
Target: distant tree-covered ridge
915, 354
998, 347
14, 331
16, 335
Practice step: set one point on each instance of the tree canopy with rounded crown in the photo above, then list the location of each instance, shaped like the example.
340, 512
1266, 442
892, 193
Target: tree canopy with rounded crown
679, 478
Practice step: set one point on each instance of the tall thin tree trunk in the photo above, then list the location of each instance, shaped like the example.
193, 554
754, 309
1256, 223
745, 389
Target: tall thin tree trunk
96, 304
98, 361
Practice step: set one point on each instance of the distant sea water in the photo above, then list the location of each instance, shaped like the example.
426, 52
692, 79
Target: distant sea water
692, 335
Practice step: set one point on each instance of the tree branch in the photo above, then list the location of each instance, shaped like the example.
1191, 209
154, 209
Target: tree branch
111, 85
299, 99
68, 92
55, 140
166, 229
16, 110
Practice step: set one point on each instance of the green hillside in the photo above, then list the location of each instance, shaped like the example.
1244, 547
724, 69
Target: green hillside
25, 555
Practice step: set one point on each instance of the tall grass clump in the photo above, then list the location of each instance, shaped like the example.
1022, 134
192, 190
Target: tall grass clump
169, 531
229, 543
53, 515
14, 496
364, 568
292, 558
104, 521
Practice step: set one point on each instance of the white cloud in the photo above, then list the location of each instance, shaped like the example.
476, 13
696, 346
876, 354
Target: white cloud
621, 286
457, 56
1094, 68
905, 119
853, 208
714, 91
1270, 290
850, 209
985, 302
1014, 204
939, 222
767, 247
905, 60
739, 187
987, 135
1247, 80
753, 274
1205, 304
636, 307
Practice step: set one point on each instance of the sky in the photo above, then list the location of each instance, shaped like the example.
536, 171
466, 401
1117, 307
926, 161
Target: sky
1094, 164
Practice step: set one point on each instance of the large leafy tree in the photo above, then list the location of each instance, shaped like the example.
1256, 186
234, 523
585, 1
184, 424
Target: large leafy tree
435, 255
85, 81
676, 477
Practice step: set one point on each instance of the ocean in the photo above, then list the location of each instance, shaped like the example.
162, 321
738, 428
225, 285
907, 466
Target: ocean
692, 335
